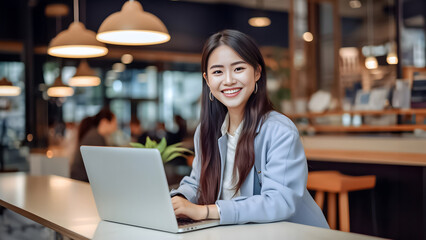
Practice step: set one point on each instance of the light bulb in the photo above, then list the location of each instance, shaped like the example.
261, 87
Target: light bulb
371, 62
392, 58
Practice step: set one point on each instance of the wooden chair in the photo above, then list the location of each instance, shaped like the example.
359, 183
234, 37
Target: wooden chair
334, 183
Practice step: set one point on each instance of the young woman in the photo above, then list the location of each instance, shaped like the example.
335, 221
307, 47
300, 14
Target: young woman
238, 129
92, 131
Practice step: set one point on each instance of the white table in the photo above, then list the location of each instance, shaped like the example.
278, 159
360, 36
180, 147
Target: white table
68, 207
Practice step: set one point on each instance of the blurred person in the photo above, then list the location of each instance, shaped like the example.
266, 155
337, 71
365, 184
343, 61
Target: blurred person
135, 129
92, 131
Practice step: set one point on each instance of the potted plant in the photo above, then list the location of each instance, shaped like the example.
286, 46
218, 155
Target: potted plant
167, 152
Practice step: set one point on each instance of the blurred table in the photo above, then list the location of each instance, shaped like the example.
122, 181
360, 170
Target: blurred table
399, 164
68, 207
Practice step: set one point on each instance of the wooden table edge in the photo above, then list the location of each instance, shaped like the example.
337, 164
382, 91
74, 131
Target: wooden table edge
43, 221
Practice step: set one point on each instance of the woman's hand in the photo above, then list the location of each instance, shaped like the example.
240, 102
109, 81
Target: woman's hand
185, 208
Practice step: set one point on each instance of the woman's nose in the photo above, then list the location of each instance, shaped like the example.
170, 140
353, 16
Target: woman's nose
229, 79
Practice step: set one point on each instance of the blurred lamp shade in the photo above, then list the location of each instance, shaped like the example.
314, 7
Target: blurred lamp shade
371, 62
59, 89
84, 76
7, 89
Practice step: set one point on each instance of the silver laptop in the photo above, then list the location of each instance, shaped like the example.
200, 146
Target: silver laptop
130, 187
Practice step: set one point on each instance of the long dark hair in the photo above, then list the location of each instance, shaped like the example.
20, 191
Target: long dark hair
91, 122
213, 114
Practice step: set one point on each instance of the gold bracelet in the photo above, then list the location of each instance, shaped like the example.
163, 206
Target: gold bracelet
208, 211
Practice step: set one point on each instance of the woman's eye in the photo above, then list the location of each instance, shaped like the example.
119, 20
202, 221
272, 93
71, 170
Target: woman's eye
217, 72
239, 69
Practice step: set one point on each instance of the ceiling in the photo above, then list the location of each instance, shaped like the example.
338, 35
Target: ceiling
284, 5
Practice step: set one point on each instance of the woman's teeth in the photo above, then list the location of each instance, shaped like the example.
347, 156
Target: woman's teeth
231, 91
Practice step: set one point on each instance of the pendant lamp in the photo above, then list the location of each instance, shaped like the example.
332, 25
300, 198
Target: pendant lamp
7, 89
59, 89
132, 26
84, 76
76, 41
370, 61
261, 20
392, 57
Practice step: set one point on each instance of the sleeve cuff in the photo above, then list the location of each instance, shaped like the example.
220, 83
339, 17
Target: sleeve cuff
227, 211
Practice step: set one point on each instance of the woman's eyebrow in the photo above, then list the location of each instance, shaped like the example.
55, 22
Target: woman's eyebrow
235, 63
232, 64
216, 66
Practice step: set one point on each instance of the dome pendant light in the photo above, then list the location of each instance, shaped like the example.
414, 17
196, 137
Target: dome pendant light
84, 76
392, 58
132, 26
261, 20
370, 61
7, 89
59, 89
76, 41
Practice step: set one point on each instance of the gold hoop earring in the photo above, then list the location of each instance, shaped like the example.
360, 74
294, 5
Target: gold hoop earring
211, 96
255, 88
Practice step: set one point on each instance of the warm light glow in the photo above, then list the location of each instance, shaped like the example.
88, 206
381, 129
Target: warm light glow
57, 182
10, 91
84, 81
127, 58
30, 137
355, 3
118, 67
49, 154
371, 63
392, 58
308, 37
133, 37
77, 51
259, 21
60, 91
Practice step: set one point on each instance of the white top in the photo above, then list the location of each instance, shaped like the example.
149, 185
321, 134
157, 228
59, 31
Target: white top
228, 191
67, 206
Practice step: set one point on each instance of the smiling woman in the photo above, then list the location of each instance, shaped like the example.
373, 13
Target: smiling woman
249, 164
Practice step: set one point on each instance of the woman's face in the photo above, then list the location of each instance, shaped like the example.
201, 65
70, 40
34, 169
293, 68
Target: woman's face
108, 127
230, 78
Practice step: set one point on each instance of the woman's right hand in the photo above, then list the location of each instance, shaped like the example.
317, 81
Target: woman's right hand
186, 209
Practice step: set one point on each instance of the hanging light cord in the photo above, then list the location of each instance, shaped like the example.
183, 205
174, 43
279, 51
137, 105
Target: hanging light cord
370, 23
75, 10
259, 4
390, 20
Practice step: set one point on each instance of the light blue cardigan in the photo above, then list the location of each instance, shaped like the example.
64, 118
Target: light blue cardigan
283, 176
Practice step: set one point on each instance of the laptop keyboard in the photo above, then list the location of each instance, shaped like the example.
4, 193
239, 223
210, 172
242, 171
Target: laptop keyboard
186, 221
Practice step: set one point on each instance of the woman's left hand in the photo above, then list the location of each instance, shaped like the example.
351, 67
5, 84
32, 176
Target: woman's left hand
185, 208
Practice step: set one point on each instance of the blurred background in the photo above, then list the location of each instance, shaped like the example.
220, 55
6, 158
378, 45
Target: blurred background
350, 73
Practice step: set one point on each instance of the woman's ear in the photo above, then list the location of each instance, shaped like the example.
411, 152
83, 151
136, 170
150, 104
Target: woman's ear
205, 78
258, 73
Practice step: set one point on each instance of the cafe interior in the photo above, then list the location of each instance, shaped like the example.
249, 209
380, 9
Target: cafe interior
350, 74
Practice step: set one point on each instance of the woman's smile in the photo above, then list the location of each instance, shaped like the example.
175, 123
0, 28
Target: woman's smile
231, 92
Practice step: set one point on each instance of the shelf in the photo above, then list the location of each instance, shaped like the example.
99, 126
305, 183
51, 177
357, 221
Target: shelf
371, 157
366, 128
420, 111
